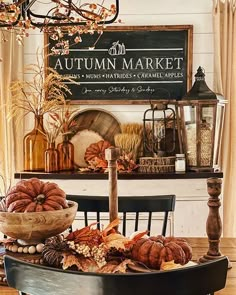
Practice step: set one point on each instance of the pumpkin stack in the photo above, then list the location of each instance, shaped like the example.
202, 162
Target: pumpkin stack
34, 195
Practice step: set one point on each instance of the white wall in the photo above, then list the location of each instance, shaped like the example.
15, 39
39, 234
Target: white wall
155, 12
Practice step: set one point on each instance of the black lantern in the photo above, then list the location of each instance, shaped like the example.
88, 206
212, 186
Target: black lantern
160, 136
197, 113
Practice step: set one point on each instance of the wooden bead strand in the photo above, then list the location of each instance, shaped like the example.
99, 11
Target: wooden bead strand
29, 249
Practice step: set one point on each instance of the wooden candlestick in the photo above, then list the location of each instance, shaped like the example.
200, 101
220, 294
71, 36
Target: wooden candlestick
213, 223
111, 155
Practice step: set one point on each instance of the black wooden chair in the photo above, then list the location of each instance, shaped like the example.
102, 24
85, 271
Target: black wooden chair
201, 279
126, 204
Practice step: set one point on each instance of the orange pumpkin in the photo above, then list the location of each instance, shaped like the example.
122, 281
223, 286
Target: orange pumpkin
35, 195
155, 250
96, 150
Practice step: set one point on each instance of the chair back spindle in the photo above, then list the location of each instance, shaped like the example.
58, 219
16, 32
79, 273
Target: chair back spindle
126, 205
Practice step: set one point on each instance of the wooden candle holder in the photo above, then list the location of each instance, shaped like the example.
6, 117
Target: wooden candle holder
111, 155
213, 223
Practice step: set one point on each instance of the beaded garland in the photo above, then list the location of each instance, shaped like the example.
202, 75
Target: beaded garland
29, 249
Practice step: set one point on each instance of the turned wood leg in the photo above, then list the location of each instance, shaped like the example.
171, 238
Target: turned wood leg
112, 154
213, 223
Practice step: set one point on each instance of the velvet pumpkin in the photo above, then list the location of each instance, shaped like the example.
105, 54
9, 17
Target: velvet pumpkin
34, 195
155, 250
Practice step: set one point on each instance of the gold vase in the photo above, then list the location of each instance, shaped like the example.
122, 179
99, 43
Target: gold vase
51, 158
35, 145
66, 154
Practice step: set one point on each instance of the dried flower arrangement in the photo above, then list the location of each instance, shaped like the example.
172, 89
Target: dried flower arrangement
107, 251
43, 94
63, 118
52, 131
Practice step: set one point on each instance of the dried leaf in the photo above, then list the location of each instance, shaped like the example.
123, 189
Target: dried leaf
82, 263
116, 241
110, 226
88, 264
109, 267
122, 267
167, 265
115, 267
70, 260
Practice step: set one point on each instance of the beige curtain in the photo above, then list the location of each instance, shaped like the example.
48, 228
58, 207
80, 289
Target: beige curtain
224, 23
11, 68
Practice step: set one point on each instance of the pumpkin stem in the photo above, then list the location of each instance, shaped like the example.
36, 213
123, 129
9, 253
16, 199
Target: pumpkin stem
40, 198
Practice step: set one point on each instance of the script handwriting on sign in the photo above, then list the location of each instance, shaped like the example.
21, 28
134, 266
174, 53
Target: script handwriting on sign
86, 90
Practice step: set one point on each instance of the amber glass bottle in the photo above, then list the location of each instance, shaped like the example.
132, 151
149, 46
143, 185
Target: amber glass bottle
35, 145
51, 158
66, 154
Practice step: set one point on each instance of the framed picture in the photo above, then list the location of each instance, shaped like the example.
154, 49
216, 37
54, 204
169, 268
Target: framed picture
128, 65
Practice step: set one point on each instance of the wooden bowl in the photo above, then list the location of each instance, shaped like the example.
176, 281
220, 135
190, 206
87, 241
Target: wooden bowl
34, 227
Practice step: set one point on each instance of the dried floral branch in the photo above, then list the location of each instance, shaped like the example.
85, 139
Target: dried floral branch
52, 131
43, 94
64, 118
60, 18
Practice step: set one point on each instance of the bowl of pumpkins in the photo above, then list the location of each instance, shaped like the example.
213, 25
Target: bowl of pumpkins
33, 211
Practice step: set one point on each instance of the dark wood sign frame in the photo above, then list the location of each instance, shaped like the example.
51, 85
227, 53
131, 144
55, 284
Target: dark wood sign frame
130, 65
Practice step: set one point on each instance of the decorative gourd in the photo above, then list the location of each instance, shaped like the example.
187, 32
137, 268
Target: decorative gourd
96, 150
34, 195
155, 250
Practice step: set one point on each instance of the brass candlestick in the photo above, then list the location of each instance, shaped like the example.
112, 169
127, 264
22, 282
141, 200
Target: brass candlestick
213, 223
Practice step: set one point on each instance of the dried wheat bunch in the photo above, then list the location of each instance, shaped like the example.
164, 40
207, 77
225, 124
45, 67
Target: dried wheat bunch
132, 128
129, 143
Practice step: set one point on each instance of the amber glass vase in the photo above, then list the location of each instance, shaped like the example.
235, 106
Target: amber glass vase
35, 145
51, 158
66, 154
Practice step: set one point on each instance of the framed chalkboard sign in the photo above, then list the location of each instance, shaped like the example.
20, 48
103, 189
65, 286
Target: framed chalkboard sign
129, 65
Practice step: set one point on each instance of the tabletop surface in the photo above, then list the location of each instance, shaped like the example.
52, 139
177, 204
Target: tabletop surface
200, 247
227, 248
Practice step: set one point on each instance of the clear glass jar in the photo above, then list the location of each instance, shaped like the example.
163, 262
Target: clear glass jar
180, 163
